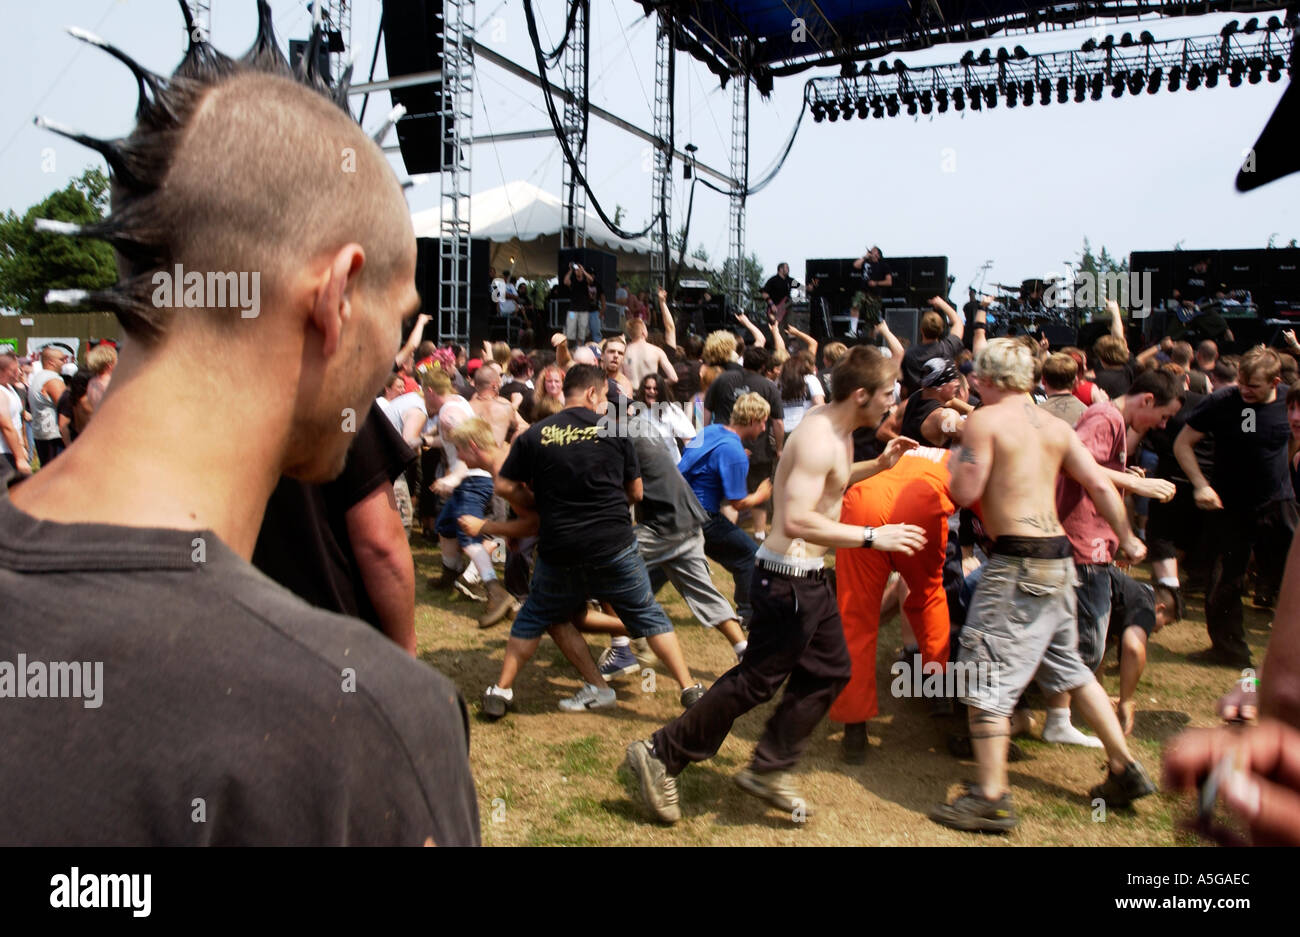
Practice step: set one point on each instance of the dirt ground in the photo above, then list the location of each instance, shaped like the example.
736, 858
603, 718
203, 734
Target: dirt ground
546, 777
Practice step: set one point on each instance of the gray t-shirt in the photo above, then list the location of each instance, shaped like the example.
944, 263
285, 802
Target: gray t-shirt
668, 506
215, 707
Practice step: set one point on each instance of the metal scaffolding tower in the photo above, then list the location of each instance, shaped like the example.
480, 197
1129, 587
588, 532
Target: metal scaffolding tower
661, 185
457, 116
573, 227
740, 170
339, 13
202, 10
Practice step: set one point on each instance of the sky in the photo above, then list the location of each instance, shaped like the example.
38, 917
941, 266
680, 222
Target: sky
1021, 188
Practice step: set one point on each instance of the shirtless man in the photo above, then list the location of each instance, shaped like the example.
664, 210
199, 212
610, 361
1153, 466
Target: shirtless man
489, 406
1022, 622
642, 358
795, 631
611, 359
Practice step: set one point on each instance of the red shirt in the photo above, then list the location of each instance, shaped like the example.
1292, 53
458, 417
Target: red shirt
1083, 390
1101, 430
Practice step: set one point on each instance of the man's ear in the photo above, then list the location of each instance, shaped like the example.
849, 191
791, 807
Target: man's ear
332, 306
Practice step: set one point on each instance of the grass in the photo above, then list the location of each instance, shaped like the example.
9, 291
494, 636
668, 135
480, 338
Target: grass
550, 778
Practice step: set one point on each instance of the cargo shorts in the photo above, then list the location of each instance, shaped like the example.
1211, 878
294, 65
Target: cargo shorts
1022, 625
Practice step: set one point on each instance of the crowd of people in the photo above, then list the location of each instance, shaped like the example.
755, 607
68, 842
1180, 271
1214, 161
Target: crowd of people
251, 592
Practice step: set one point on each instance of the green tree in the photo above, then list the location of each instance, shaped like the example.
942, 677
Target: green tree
32, 262
751, 278
1101, 270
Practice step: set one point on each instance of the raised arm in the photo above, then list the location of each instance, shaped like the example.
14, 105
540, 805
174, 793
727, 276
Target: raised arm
891, 340
809, 342
981, 327
778, 340
413, 340
954, 320
1116, 321
670, 327
759, 341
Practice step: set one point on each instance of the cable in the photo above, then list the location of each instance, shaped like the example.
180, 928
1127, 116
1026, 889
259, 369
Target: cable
374, 59
564, 143
758, 186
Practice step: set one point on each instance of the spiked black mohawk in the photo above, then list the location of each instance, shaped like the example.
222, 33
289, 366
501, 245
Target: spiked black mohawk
139, 163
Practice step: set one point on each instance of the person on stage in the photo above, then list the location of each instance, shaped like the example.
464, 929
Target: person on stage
777, 292
878, 274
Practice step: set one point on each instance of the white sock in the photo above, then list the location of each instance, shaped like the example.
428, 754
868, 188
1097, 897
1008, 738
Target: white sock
1170, 581
740, 647
508, 694
470, 573
481, 560
1058, 729
620, 642
853, 325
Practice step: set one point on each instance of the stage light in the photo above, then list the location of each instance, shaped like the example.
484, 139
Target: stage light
891, 105
1062, 90
846, 108
990, 96
1274, 24
1126, 40
883, 68
1153, 82
1013, 94
1089, 45
959, 99
818, 112
1136, 82
976, 99
1275, 68
1108, 43
941, 97
1229, 29
1081, 87
1256, 70
1236, 73
986, 57
1020, 53
877, 107
832, 113
863, 111
1098, 82
1252, 24
1003, 54
1175, 77
927, 102
1027, 89
968, 58
1212, 76
1194, 77
1116, 86
1147, 38
848, 70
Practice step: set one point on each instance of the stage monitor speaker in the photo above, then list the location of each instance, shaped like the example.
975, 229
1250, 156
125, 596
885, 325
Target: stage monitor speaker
601, 264
481, 307
1242, 270
413, 43
928, 276
904, 323
1059, 335
1160, 267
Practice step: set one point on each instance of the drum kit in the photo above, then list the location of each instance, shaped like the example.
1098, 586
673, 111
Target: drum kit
1022, 307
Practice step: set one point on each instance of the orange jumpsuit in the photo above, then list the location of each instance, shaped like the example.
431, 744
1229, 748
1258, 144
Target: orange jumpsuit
915, 491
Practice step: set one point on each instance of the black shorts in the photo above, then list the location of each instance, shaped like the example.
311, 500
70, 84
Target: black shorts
48, 449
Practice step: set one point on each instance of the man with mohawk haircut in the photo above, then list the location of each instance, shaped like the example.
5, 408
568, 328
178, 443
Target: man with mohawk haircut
229, 711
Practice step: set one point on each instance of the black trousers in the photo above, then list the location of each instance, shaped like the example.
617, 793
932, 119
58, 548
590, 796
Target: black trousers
48, 449
1234, 532
795, 633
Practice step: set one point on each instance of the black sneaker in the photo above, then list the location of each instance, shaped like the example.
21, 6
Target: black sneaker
1120, 790
854, 747
1220, 658
495, 703
972, 813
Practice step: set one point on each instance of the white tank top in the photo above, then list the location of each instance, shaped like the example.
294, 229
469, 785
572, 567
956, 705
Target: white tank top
45, 415
13, 407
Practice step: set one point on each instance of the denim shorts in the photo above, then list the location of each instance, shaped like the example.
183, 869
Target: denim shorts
557, 593
1022, 626
472, 496
1093, 596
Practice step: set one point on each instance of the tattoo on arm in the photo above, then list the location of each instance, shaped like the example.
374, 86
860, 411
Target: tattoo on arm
965, 455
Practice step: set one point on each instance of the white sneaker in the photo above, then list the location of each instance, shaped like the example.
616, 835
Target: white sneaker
590, 697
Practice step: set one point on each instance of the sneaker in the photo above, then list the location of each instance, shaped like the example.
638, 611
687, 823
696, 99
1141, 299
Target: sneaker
775, 788
853, 749
617, 661
496, 701
973, 813
692, 695
1120, 790
658, 787
589, 697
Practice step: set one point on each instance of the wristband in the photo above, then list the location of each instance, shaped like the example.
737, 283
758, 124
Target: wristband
868, 537
979, 325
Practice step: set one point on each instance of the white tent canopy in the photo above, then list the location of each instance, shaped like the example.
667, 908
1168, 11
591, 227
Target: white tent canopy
523, 223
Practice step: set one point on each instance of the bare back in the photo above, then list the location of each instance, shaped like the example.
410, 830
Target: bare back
497, 413
642, 358
820, 459
1027, 447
